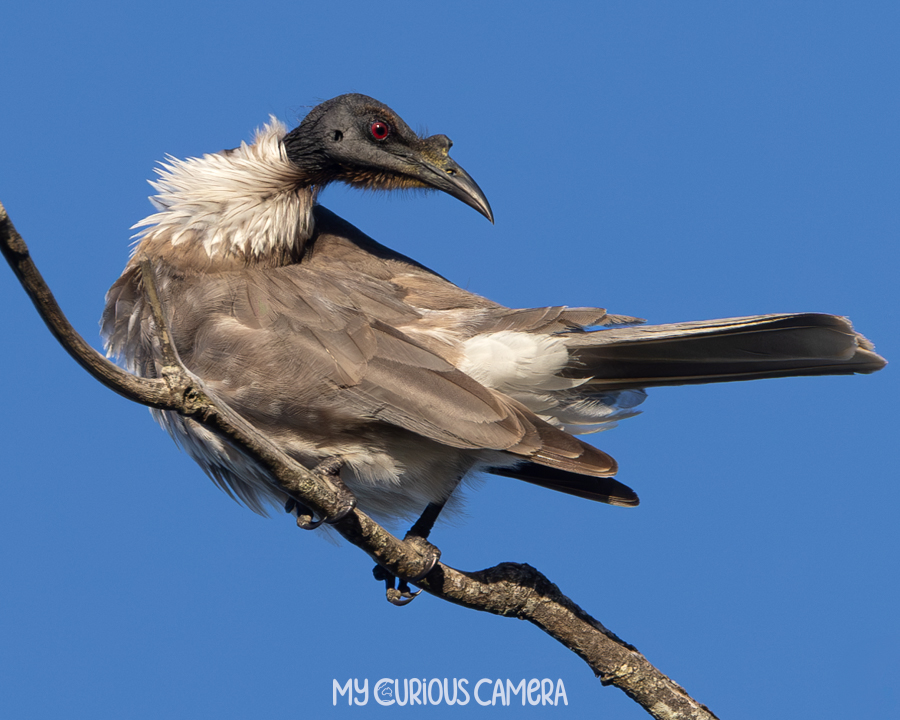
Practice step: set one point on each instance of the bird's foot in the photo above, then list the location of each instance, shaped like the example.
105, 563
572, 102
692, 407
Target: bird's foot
397, 589
331, 468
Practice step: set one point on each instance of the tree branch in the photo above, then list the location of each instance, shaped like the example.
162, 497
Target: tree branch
508, 589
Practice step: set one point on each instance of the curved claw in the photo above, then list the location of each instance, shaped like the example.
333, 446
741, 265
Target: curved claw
310, 524
400, 598
434, 555
400, 595
349, 507
435, 558
305, 516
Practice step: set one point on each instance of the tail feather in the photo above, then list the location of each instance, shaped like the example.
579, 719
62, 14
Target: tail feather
618, 360
747, 348
602, 489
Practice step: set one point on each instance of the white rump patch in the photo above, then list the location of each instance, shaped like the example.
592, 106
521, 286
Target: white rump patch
525, 366
515, 362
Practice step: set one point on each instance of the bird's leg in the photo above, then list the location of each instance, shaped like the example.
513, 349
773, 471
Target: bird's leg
331, 468
425, 524
418, 535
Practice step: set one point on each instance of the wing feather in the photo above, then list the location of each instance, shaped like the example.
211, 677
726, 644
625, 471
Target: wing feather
290, 348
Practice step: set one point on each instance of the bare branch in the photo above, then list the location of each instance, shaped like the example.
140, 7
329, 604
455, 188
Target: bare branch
508, 589
152, 393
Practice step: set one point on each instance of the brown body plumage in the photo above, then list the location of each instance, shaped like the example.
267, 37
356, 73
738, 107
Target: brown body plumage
336, 347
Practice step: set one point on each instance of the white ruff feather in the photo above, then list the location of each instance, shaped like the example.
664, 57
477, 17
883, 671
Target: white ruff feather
247, 201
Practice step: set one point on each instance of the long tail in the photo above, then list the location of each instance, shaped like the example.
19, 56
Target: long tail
746, 348
629, 358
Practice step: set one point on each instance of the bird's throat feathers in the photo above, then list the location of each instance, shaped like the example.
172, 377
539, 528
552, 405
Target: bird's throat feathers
249, 204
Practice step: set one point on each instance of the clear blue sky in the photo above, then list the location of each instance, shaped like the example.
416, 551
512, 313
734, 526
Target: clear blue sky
668, 160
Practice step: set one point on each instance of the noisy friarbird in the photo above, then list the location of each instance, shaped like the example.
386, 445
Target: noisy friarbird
338, 349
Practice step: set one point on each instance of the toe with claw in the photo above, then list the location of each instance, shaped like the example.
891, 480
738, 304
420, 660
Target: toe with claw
397, 589
331, 468
398, 593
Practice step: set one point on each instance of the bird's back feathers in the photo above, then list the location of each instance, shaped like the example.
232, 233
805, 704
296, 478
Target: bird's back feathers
334, 346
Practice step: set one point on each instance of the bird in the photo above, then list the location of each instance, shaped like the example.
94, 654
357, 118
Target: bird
338, 349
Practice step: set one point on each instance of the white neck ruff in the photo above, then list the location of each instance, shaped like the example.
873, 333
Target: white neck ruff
249, 202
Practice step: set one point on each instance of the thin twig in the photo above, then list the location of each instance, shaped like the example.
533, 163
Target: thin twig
166, 346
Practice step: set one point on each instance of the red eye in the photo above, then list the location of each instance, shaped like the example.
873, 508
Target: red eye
380, 130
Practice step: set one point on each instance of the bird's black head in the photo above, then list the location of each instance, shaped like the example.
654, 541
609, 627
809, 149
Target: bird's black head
362, 142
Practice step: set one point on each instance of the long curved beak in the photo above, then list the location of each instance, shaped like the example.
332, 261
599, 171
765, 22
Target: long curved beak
458, 183
443, 173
